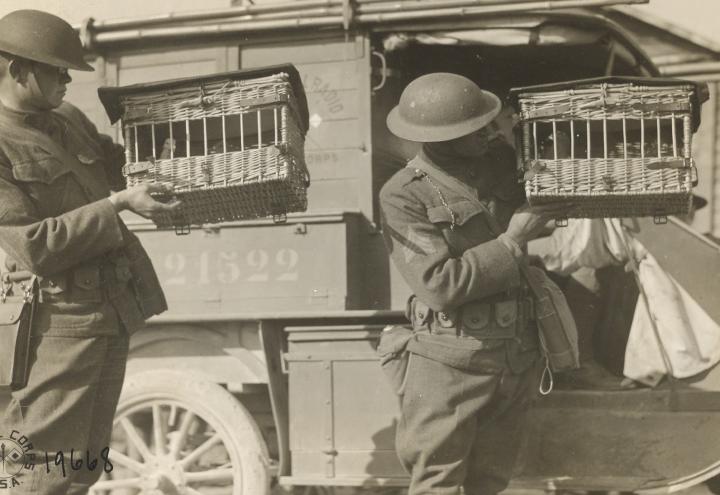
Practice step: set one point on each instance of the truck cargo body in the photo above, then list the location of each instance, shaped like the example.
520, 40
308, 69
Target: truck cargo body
284, 318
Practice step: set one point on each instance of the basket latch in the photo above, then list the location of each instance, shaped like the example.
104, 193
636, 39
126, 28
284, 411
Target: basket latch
181, 224
182, 229
136, 168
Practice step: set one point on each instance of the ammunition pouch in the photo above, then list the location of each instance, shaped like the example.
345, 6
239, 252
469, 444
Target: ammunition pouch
108, 277
486, 319
91, 282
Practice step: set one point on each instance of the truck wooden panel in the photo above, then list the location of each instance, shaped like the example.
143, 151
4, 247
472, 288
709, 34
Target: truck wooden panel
335, 71
336, 74
319, 50
217, 270
342, 430
155, 67
332, 164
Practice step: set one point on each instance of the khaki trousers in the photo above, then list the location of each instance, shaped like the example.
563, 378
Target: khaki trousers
461, 428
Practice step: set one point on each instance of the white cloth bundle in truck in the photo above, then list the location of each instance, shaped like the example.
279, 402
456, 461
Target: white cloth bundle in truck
684, 331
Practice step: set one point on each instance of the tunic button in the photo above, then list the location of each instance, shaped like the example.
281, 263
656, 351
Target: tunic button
443, 316
421, 315
51, 283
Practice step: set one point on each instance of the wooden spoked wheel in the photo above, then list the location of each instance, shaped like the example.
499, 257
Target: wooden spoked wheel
176, 434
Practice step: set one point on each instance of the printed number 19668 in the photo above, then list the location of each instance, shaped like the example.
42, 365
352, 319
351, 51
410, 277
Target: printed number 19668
227, 267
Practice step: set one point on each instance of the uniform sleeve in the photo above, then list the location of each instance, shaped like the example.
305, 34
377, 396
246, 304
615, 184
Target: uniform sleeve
45, 246
421, 254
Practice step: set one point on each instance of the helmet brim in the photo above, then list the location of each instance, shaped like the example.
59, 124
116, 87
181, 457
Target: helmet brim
84, 67
29, 54
81, 66
434, 134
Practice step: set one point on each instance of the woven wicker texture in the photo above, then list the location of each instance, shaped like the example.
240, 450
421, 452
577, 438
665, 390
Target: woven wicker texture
614, 150
609, 101
255, 173
211, 100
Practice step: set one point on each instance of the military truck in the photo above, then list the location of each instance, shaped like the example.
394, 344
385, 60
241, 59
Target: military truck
263, 371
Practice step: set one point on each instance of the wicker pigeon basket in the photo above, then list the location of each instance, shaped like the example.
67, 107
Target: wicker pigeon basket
615, 147
230, 144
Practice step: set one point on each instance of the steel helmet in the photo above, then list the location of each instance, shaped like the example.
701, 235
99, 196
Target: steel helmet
440, 107
42, 37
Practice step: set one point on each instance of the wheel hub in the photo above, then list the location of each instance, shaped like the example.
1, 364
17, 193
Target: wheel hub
165, 476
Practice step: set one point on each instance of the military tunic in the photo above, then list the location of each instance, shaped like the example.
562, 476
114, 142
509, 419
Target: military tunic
473, 350
97, 284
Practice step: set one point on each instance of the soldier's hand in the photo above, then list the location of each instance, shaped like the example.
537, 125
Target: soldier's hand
139, 199
528, 221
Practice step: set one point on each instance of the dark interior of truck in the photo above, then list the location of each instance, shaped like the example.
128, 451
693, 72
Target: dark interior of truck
501, 58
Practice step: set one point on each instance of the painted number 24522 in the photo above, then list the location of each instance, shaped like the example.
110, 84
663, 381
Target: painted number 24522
227, 267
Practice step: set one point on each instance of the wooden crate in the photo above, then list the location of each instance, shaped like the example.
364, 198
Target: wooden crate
615, 147
230, 144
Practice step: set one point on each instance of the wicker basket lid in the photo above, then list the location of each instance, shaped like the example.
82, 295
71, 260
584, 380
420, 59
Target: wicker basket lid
700, 93
110, 96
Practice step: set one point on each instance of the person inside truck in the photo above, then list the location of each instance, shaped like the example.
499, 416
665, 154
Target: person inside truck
473, 365
59, 221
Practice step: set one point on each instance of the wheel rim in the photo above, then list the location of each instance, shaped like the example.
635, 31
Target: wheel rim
166, 446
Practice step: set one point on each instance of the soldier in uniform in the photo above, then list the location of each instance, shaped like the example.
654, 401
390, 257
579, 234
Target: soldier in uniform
59, 221
456, 226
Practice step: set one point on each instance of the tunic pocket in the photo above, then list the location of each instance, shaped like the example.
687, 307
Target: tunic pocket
470, 227
45, 170
51, 185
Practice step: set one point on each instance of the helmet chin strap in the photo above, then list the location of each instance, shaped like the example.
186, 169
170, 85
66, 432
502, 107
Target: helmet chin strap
38, 99
445, 153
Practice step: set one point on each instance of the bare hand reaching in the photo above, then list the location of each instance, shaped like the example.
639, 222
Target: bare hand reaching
138, 199
528, 221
